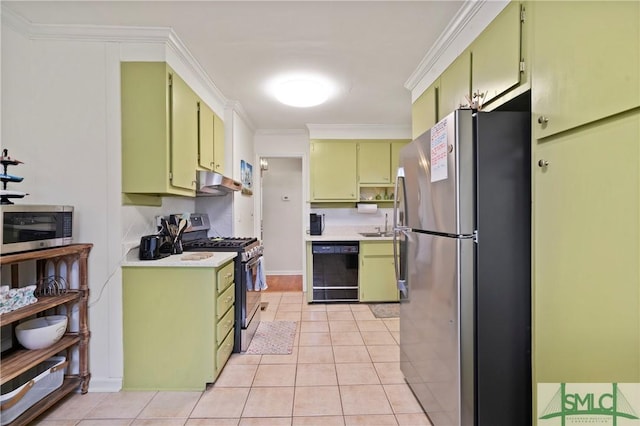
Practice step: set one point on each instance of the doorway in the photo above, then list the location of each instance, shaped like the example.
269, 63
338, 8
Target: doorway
282, 227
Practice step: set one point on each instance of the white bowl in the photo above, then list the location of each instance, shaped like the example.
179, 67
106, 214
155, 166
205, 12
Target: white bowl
39, 333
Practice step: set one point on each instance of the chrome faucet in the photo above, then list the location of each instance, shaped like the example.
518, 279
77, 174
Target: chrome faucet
386, 218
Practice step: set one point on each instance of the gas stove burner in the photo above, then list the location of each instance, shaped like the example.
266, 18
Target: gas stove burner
219, 243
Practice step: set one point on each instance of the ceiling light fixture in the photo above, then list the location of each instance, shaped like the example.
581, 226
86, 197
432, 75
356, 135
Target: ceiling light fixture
301, 91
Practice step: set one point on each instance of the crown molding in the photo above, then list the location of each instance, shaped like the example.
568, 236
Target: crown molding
120, 34
13, 20
466, 25
302, 132
105, 33
237, 107
359, 131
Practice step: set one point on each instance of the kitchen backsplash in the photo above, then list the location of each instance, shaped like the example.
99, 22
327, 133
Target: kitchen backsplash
141, 220
351, 217
220, 211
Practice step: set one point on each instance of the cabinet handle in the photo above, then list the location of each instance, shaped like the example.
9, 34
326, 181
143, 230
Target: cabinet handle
543, 163
543, 120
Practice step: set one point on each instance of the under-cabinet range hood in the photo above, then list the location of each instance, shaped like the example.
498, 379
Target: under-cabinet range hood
211, 184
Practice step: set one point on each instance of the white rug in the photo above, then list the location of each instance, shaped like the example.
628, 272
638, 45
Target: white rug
273, 338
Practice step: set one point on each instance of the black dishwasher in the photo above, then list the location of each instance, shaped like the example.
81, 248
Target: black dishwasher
335, 271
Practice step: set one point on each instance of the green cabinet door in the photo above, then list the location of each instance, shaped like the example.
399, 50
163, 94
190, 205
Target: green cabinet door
218, 144
586, 62
376, 276
205, 137
333, 170
496, 55
374, 159
169, 325
587, 254
159, 131
145, 108
455, 85
424, 111
396, 146
184, 134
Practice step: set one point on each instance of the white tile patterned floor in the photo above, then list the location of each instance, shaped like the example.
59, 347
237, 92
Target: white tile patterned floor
344, 370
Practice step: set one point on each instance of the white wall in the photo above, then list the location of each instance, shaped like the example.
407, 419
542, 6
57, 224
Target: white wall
281, 206
243, 204
56, 123
61, 116
286, 144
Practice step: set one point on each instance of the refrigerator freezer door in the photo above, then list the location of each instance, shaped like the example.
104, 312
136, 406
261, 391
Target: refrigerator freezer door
436, 339
438, 195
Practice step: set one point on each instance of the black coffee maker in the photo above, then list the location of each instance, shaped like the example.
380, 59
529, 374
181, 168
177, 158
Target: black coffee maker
315, 224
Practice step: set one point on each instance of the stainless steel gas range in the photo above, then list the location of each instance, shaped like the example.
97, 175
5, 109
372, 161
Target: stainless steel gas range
247, 315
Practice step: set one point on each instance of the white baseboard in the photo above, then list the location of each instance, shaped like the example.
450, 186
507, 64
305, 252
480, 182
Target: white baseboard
283, 273
105, 384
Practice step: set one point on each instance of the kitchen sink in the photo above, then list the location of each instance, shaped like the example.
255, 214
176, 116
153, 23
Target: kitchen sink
377, 234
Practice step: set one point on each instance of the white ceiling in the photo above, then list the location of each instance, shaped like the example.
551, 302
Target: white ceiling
369, 49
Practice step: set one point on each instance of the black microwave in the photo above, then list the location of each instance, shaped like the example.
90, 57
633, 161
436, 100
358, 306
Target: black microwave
32, 227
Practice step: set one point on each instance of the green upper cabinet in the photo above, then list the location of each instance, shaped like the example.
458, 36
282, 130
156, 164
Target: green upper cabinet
205, 137
586, 62
376, 277
374, 162
159, 130
586, 253
184, 134
218, 144
333, 170
396, 146
496, 55
210, 140
455, 85
424, 111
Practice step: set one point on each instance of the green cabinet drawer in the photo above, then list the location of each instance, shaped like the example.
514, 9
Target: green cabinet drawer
225, 277
224, 325
224, 352
375, 248
225, 300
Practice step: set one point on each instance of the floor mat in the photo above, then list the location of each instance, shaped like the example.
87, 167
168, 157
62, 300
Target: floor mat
385, 310
273, 338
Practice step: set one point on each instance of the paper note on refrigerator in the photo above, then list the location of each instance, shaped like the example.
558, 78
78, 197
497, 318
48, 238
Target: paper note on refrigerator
439, 151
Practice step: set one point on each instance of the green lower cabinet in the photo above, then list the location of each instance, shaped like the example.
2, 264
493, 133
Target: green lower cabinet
377, 281
171, 326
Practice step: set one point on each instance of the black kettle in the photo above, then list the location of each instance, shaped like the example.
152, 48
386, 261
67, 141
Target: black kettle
150, 247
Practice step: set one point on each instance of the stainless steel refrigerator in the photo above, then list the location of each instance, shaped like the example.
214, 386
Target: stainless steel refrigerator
462, 222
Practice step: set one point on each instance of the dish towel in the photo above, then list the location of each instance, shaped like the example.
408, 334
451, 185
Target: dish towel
261, 279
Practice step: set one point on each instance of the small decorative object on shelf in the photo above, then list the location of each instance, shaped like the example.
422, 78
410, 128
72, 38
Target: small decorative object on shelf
5, 194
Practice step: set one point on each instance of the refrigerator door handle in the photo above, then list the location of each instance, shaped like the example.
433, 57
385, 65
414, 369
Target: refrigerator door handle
399, 177
401, 282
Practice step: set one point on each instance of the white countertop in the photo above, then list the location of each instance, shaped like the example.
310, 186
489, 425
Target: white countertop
216, 260
345, 233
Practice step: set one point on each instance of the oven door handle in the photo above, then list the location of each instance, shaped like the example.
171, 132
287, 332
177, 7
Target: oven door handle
252, 263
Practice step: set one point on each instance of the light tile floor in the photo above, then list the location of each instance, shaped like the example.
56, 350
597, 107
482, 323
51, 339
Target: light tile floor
344, 370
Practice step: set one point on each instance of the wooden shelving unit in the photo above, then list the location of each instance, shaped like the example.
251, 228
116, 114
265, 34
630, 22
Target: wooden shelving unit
17, 361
